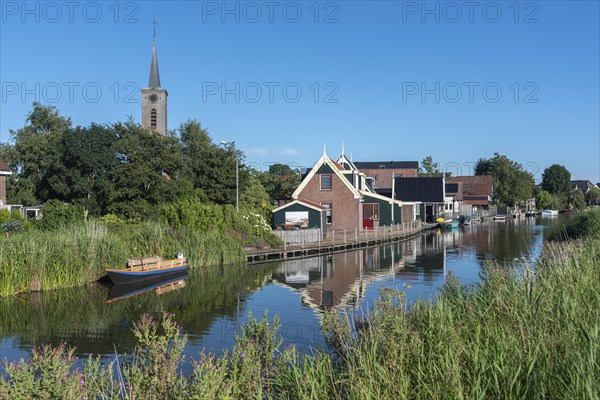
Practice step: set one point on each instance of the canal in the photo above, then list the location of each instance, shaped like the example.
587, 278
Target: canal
211, 303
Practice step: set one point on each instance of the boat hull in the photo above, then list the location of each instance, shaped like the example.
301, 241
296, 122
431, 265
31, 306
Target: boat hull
118, 292
124, 277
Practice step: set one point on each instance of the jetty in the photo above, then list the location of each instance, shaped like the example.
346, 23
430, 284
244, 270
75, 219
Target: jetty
297, 244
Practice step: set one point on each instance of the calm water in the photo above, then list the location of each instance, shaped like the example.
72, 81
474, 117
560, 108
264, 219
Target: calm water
211, 303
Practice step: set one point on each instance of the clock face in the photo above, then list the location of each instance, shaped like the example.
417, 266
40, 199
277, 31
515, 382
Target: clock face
153, 98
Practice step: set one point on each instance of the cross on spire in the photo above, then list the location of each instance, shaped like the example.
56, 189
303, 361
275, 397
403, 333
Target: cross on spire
154, 23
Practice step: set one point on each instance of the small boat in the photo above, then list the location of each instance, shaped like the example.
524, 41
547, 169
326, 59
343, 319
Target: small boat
531, 214
549, 213
500, 218
464, 220
158, 285
449, 224
141, 269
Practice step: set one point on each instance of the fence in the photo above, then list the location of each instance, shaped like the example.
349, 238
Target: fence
300, 236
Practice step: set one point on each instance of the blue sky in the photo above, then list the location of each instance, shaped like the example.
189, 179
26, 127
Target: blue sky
392, 80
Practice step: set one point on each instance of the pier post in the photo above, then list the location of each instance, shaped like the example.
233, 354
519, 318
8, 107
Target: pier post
356, 236
344, 236
333, 236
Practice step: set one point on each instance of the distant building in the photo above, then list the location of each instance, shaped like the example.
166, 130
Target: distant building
342, 193
383, 172
154, 99
476, 192
582, 185
4, 172
429, 192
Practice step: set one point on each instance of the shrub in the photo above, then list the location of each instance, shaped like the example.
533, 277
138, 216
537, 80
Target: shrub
56, 214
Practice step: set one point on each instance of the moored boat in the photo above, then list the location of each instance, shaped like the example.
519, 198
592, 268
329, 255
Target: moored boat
449, 224
549, 213
141, 269
159, 285
500, 218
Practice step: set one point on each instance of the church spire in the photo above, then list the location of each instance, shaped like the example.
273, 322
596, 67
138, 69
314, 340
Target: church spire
154, 81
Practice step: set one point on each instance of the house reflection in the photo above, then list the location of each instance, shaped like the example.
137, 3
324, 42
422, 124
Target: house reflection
341, 280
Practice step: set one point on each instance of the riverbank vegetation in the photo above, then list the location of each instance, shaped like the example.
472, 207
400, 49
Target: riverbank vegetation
113, 192
528, 331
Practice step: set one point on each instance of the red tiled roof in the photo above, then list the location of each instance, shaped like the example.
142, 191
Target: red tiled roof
4, 166
478, 185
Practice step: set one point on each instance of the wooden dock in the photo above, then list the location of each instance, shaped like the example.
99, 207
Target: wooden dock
338, 241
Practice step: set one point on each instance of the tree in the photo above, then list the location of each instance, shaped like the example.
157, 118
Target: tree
593, 196
556, 179
280, 181
576, 200
546, 201
36, 155
255, 193
211, 167
146, 171
512, 184
429, 168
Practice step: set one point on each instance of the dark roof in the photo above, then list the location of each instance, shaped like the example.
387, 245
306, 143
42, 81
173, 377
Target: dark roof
386, 164
426, 190
4, 166
582, 185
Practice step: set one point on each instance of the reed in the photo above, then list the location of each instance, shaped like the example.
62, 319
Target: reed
78, 254
531, 332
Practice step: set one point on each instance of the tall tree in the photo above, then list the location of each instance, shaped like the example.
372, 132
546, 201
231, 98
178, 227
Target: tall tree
145, 173
36, 155
556, 179
280, 181
429, 168
593, 196
211, 168
512, 184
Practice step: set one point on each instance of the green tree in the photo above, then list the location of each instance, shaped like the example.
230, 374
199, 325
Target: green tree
36, 155
593, 196
556, 179
254, 194
88, 158
210, 167
280, 181
576, 200
146, 171
546, 201
512, 184
429, 168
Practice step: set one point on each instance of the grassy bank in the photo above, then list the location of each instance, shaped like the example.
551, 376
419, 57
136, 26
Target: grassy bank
532, 334
78, 254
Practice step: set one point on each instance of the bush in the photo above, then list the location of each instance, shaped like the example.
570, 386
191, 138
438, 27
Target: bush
56, 214
585, 223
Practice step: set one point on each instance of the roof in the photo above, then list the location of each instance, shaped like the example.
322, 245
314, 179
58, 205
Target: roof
477, 185
386, 164
4, 168
154, 80
583, 185
423, 189
337, 170
305, 203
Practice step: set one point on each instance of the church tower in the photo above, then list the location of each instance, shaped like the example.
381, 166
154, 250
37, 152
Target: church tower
154, 98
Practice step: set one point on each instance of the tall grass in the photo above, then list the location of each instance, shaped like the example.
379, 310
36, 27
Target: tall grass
532, 333
78, 254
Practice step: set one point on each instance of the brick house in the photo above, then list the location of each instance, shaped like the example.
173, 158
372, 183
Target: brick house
4, 172
348, 200
476, 192
383, 173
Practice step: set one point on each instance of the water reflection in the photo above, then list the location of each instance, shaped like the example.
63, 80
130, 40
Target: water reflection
214, 302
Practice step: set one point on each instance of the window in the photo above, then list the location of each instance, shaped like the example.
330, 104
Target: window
153, 119
325, 182
328, 218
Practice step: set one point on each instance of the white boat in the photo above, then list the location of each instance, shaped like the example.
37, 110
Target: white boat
549, 213
500, 218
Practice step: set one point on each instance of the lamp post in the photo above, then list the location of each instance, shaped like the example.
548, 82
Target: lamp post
230, 146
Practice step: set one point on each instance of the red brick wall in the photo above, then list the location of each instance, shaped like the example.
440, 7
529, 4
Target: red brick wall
3, 188
384, 176
343, 204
